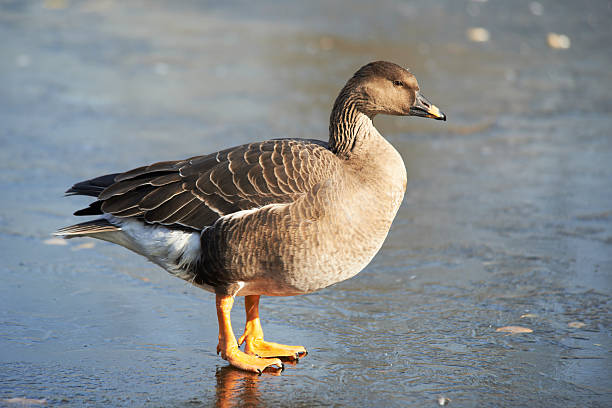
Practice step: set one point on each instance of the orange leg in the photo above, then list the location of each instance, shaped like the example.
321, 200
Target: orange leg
253, 336
227, 342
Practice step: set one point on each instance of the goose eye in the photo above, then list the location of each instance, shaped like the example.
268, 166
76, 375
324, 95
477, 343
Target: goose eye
398, 83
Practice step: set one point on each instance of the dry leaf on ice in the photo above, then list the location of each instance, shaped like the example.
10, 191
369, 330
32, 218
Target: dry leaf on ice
514, 329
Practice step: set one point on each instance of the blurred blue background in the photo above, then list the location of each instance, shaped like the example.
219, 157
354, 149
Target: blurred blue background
507, 219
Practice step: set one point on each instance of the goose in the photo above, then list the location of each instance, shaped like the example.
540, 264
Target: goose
280, 217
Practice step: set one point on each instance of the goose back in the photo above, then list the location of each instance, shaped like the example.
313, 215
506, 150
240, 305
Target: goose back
194, 193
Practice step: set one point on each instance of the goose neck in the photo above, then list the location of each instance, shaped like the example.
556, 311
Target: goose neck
348, 125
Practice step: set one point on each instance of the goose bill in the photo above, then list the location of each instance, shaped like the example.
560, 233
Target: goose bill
422, 107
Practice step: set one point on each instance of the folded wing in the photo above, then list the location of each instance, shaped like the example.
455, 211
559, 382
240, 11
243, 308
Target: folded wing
194, 193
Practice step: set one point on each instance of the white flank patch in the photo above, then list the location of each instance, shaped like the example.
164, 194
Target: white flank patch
243, 213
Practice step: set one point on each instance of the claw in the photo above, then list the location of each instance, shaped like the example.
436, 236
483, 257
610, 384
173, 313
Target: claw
259, 371
282, 367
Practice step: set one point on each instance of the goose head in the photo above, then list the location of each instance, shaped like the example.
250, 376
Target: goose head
383, 87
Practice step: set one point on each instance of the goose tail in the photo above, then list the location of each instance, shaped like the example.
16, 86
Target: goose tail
87, 229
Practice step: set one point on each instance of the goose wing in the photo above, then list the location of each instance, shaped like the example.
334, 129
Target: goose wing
194, 193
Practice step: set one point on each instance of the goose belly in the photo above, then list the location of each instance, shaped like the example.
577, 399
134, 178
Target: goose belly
321, 253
